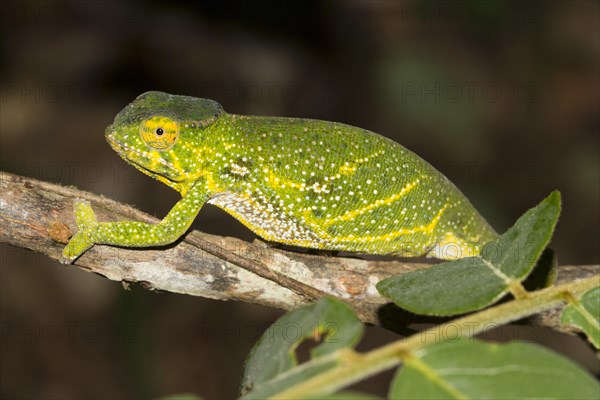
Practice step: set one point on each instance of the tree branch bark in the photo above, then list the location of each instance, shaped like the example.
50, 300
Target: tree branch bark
39, 216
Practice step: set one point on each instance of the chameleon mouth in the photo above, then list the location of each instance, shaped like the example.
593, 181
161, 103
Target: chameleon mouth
125, 152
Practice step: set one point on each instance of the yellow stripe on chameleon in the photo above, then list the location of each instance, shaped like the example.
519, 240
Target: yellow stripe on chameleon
346, 169
210, 183
451, 247
175, 160
277, 182
389, 236
348, 215
351, 166
154, 160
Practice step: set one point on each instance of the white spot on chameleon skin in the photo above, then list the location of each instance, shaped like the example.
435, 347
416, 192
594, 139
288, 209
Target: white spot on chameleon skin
263, 217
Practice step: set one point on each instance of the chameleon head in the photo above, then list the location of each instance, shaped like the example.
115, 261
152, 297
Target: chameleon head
160, 134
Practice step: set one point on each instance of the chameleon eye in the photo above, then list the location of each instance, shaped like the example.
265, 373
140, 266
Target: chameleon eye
159, 132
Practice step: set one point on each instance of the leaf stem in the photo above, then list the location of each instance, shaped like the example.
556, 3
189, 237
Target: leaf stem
392, 354
517, 290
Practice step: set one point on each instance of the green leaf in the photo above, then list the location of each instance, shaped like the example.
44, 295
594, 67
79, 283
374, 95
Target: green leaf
472, 283
450, 288
516, 251
585, 315
477, 370
270, 363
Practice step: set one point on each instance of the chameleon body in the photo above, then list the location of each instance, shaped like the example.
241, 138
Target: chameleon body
302, 182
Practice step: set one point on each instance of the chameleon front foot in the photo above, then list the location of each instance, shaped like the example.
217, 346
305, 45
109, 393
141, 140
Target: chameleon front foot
83, 239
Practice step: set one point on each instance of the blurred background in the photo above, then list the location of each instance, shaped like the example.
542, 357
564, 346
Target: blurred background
501, 96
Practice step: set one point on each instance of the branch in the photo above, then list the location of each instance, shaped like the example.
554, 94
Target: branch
39, 216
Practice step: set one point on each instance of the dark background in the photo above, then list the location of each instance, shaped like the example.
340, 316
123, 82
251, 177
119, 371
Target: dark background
502, 97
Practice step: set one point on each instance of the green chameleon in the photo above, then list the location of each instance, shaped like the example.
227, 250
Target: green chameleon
302, 182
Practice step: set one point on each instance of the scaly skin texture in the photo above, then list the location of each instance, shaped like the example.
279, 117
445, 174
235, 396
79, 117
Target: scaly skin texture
301, 182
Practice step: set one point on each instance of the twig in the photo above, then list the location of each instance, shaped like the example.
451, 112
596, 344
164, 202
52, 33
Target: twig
39, 216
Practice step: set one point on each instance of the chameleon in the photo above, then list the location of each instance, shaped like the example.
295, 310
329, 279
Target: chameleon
301, 182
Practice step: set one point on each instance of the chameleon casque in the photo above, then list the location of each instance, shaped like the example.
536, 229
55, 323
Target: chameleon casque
302, 182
